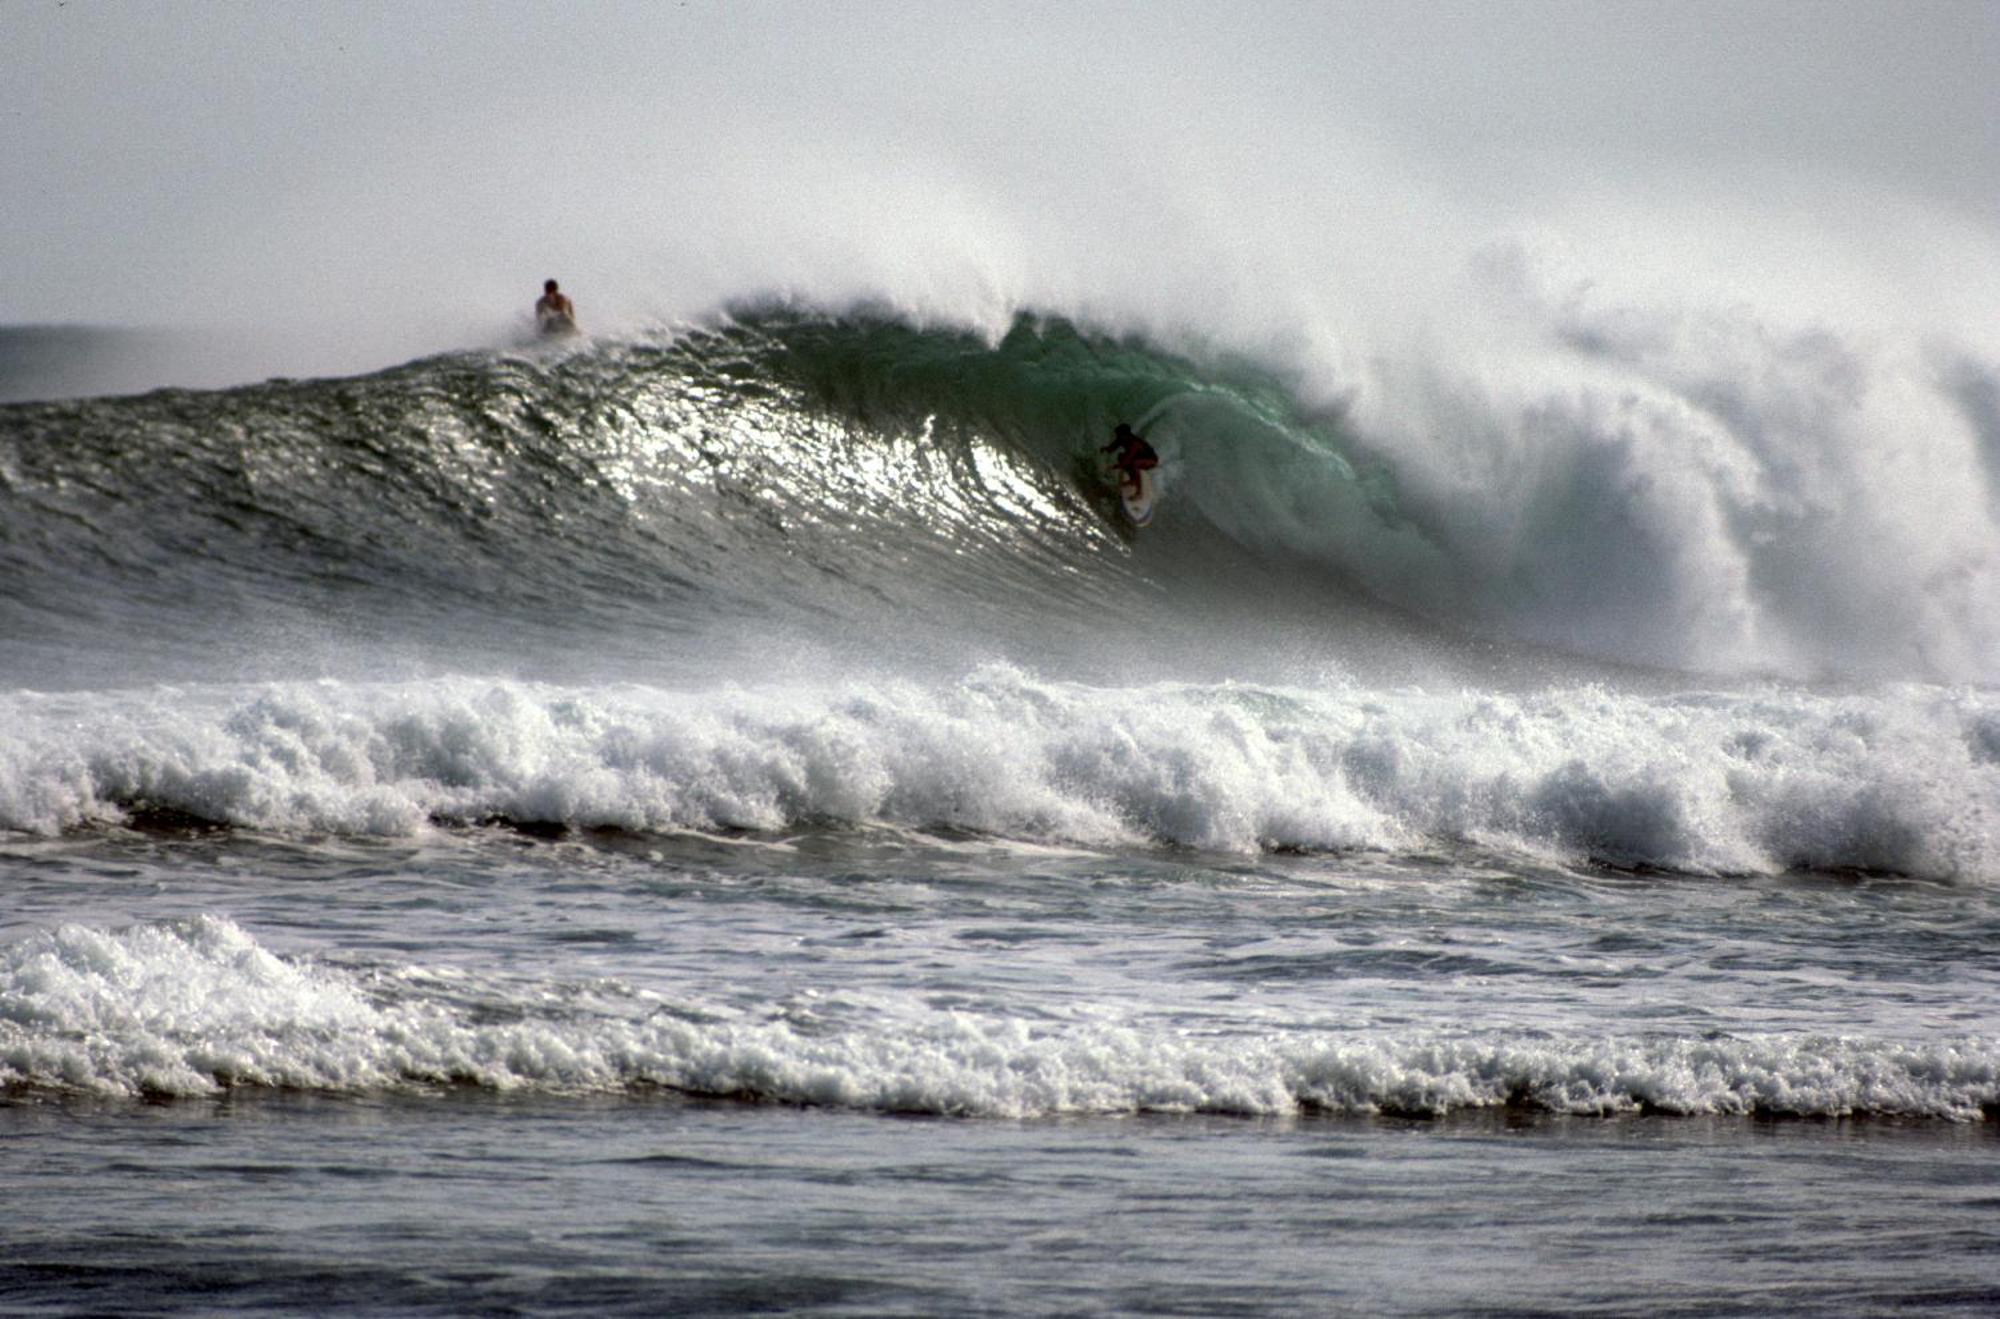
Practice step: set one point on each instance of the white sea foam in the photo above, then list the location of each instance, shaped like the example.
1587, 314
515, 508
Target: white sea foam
1903, 780
1685, 479
192, 1007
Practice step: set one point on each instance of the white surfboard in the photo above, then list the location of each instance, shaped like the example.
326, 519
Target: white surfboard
1138, 500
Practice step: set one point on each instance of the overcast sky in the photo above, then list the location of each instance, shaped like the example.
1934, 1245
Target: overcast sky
422, 167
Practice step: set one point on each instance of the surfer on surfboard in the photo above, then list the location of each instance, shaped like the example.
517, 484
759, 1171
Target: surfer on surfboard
1131, 455
555, 313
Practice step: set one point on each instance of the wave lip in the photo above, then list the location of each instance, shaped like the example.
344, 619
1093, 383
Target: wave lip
1900, 781
191, 1008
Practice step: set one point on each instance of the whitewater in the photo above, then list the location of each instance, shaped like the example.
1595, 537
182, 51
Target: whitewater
706, 774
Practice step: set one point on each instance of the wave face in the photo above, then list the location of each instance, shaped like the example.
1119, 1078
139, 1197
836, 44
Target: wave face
631, 496
1714, 498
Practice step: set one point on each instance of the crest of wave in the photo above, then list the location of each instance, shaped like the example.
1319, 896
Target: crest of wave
193, 1007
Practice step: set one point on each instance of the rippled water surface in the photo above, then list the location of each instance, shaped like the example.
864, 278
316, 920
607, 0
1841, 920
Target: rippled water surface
967, 1076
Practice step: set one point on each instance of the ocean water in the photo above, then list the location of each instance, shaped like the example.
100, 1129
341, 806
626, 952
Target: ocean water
732, 820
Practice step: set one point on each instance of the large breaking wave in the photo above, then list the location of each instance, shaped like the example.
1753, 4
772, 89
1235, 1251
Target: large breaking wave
1700, 493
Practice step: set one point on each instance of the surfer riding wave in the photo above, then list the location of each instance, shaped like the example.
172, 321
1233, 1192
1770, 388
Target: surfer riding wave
1131, 455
